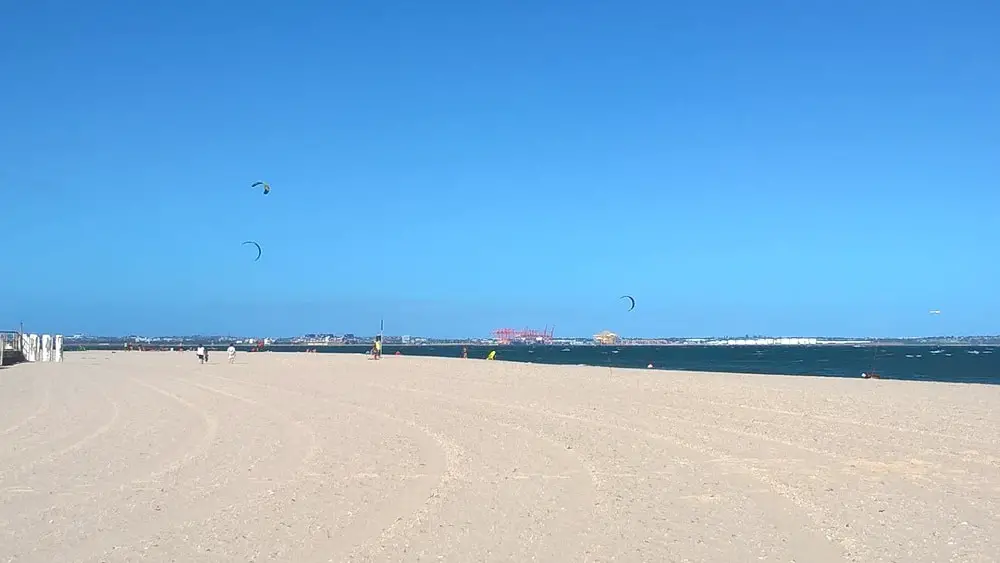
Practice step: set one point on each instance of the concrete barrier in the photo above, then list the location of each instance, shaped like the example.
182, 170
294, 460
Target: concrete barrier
31, 350
37, 348
10, 348
45, 351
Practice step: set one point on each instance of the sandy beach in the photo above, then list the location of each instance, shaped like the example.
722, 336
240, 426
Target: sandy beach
303, 458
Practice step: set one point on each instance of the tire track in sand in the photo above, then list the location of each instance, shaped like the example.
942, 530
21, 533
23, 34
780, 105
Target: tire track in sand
530, 535
838, 420
418, 510
50, 515
968, 527
14, 474
782, 520
689, 397
200, 451
680, 413
42, 409
915, 496
142, 544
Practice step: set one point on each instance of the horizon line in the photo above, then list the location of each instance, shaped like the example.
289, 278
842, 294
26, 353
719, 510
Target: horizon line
323, 335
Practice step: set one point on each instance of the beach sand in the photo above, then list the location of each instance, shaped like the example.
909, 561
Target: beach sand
319, 457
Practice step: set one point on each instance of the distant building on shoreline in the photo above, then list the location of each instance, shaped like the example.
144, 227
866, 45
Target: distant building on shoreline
606, 338
765, 342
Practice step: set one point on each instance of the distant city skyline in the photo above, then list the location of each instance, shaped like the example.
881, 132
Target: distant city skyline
417, 337
137, 313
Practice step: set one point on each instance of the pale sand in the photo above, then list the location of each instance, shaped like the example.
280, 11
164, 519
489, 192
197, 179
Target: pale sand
315, 457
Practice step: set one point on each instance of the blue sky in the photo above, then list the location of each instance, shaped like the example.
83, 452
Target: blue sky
739, 167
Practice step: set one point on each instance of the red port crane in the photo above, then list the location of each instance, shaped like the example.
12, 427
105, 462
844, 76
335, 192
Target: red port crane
523, 336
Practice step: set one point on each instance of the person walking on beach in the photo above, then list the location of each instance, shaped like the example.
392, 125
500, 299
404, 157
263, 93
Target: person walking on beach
201, 354
378, 347
232, 353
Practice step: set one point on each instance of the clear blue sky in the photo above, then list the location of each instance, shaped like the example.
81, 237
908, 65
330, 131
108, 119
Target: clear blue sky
819, 167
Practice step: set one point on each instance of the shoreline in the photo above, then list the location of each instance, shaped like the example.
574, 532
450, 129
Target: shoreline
924, 363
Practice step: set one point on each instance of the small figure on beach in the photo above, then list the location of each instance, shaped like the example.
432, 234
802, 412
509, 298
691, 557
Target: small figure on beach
465, 352
378, 347
202, 354
492, 355
232, 353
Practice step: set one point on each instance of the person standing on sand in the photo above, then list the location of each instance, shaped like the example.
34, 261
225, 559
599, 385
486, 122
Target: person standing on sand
232, 353
201, 354
378, 347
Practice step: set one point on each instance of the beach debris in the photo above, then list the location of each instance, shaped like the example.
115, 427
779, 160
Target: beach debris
631, 301
267, 187
259, 251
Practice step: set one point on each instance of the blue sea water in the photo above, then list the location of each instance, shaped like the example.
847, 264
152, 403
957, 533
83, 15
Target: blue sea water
925, 363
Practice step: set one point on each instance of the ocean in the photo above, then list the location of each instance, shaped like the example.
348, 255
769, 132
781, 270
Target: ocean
957, 364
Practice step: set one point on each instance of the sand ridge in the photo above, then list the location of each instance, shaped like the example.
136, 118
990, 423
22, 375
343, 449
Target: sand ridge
315, 457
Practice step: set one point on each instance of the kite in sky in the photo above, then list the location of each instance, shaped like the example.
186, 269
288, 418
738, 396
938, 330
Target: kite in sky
259, 251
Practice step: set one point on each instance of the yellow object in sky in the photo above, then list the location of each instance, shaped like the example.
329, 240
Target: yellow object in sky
492, 355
